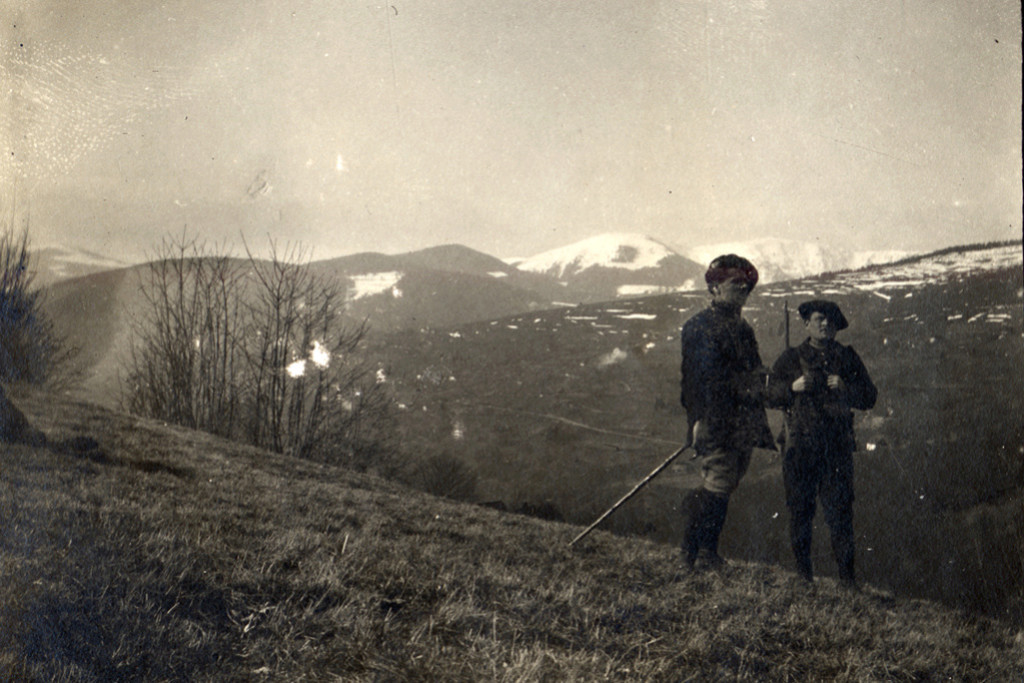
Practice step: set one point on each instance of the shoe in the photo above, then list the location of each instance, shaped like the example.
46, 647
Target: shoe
711, 560
803, 569
687, 568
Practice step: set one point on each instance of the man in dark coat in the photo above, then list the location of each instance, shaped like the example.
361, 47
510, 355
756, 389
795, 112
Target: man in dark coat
723, 393
817, 384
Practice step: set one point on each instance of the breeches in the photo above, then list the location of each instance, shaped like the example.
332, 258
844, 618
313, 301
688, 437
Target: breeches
722, 469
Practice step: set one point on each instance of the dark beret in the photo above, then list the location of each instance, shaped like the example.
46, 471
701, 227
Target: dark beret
729, 266
827, 308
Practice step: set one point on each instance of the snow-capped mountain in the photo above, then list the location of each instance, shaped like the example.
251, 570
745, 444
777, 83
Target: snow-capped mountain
613, 250
782, 259
616, 264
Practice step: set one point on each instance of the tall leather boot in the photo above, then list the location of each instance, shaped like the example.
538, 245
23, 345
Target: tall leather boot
693, 516
717, 507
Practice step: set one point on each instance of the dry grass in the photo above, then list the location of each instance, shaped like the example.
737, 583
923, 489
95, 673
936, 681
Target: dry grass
178, 556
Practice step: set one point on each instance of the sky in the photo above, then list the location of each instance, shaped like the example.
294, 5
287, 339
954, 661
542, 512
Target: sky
512, 126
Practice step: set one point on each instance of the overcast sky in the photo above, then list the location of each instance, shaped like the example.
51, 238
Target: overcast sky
511, 126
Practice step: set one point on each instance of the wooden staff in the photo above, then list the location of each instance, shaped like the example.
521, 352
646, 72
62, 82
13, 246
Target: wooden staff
655, 472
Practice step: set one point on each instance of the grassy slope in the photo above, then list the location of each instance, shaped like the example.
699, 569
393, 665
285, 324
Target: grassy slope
180, 556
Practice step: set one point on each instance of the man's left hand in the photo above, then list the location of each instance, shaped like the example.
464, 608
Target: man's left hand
836, 383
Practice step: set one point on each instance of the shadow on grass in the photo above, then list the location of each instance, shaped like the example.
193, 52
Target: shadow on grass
97, 611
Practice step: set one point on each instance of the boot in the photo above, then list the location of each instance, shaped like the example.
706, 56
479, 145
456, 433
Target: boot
693, 515
843, 549
847, 576
717, 507
803, 566
800, 530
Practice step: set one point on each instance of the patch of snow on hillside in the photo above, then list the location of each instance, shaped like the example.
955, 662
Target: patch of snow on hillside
369, 284
625, 251
862, 259
614, 356
638, 316
624, 291
498, 274
930, 269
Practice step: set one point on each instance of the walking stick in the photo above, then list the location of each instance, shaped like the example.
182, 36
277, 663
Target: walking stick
655, 472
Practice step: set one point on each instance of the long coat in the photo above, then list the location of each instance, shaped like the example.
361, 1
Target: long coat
820, 417
723, 380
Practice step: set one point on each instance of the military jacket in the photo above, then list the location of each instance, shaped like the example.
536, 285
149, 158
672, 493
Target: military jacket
820, 416
723, 380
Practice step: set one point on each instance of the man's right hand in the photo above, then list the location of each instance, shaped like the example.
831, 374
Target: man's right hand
700, 432
800, 384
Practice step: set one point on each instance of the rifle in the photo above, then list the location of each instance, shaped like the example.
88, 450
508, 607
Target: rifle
785, 308
783, 437
655, 472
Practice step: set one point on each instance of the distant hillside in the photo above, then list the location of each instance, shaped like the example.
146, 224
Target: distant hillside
440, 286
53, 264
412, 300
172, 555
390, 292
453, 258
93, 312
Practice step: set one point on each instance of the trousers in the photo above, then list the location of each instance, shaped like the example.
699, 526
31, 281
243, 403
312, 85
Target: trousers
825, 473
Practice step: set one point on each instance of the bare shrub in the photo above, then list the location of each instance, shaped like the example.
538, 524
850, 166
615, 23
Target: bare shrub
256, 350
31, 350
185, 359
445, 475
294, 324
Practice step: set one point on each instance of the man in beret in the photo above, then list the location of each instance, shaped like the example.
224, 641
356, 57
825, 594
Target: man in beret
722, 385
817, 384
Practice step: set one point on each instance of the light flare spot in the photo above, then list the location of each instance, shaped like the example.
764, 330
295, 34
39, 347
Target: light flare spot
297, 368
320, 356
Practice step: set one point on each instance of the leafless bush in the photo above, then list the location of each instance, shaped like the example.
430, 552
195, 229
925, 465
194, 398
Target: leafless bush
185, 360
443, 474
305, 388
31, 351
256, 350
